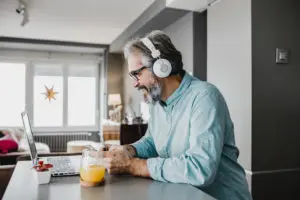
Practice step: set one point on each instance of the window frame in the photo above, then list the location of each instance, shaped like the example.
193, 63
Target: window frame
29, 91
10, 60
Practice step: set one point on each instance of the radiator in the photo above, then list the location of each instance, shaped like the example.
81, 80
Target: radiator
58, 142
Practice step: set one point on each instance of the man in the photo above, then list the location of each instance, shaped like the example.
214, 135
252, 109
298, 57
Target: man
190, 136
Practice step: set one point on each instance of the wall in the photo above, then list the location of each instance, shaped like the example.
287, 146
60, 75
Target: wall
181, 34
115, 78
229, 65
263, 96
276, 97
200, 45
114, 74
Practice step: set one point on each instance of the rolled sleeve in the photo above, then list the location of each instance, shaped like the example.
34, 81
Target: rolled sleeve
145, 147
155, 166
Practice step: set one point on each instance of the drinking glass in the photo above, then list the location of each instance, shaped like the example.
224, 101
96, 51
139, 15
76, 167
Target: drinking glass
92, 170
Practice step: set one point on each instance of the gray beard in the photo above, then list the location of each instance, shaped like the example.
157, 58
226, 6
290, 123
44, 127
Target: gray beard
153, 94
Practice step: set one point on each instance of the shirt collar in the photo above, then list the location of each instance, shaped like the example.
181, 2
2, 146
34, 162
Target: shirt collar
175, 96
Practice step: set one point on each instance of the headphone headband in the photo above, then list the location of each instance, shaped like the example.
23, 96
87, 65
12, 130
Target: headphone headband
161, 67
155, 53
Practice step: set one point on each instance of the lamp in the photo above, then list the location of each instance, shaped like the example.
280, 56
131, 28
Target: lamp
114, 99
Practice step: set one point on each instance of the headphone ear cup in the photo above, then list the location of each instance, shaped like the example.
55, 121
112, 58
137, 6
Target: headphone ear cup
162, 68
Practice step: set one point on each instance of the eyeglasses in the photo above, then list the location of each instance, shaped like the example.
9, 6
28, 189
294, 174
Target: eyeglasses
134, 73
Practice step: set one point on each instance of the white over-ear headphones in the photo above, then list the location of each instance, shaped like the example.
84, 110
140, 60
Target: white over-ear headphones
161, 67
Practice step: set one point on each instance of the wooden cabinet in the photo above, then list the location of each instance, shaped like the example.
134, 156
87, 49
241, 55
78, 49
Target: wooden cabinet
130, 133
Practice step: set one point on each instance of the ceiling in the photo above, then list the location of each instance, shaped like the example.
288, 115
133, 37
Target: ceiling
89, 21
193, 5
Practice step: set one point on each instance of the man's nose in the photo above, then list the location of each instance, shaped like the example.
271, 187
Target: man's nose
136, 83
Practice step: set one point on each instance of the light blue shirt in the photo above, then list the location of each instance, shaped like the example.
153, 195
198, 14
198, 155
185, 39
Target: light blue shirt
191, 140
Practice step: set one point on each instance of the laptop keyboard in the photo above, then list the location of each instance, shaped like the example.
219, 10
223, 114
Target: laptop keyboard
61, 166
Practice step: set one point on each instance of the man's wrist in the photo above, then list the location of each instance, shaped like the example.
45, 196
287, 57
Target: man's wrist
131, 150
133, 169
138, 167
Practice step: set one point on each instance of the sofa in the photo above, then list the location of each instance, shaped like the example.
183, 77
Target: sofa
19, 137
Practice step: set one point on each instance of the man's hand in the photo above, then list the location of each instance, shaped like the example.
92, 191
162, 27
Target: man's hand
117, 158
116, 161
120, 159
128, 149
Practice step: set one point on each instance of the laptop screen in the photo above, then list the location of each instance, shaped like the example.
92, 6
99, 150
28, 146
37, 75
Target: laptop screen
29, 135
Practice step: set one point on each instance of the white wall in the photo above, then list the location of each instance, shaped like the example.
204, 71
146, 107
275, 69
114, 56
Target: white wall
181, 34
229, 65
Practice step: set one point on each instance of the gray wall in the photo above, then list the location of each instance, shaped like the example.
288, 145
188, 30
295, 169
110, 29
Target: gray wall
200, 45
115, 77
276, 87
229, 65
114, 74
276, 99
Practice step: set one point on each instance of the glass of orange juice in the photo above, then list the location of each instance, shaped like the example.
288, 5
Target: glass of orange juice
92, 170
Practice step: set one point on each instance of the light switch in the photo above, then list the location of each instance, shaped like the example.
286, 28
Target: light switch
282, 55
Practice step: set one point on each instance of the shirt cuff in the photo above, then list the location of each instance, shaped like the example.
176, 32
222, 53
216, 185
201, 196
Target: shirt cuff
155, 166
141, 150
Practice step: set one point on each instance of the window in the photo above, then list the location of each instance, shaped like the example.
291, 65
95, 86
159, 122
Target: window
81, 95
75, 100
12, 99
48, 112
25, 77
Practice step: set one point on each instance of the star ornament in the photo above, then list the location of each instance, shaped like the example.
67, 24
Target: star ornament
50, 93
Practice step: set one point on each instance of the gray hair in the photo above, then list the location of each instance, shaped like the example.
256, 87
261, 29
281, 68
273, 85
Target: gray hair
163, 43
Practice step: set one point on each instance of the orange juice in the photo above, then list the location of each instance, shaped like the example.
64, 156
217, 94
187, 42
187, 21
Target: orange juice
93, 174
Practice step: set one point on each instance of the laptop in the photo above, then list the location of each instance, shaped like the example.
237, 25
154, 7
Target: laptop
62, 165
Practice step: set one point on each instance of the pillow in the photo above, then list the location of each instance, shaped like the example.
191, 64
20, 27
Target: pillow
13, 134
40, 147
8, 145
